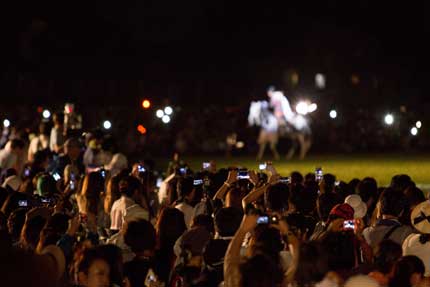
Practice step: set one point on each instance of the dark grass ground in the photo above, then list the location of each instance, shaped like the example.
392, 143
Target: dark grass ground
345, 167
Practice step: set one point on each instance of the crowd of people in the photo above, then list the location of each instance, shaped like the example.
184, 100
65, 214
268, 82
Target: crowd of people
76, 212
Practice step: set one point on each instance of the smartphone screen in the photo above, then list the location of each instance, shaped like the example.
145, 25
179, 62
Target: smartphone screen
206, 165
159, 182
56, 176
141, 168
284, 180
262, 166
72, 185
243, 174
198, 182
183, 170
349, 224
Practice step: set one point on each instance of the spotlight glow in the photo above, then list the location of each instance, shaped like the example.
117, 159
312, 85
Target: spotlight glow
168, 110
389, 119
312, 108
146, 104
165, 119
159, 114
320, 81
46, 114
240, 144
418, 124
302, 108
414, 131
6, 123
333, 114
107, 125
141, 129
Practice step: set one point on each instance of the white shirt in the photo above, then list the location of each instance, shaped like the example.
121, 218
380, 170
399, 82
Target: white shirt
37, 143
56, 138
7, 159
188, 211
118, 211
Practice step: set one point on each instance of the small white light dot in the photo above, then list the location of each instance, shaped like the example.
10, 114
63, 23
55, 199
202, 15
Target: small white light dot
165, 119
107, 125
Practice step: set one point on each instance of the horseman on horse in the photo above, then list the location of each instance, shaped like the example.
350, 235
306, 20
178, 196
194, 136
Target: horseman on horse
281, 122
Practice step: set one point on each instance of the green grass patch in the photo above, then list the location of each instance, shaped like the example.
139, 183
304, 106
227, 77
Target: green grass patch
345, 167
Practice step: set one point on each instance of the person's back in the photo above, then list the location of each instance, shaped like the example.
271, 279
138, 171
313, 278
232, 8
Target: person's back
9, 156
388, 227
129, 188
57, 133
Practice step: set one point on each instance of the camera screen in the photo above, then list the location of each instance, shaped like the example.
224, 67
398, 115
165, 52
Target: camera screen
183, 170
243, 174
56, 176
263, 219
22, 203
206, 165
198, 182
45, 200
284, 180
262, 166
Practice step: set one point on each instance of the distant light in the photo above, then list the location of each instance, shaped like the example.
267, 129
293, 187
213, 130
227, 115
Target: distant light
320, 81
168, 110
165, 119
355, 79
46, 114
333, 114
414, 131
141, 129
146, 104
107, 125
418, 124
312, 108
389, 119
159, 114
294, 78
240, 144
302, 108
39, 109
6, 123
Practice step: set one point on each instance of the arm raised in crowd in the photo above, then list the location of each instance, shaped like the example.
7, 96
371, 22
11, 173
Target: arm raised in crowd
232, 257
222, 191
256, 193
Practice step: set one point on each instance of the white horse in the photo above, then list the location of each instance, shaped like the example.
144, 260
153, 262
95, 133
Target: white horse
297, 129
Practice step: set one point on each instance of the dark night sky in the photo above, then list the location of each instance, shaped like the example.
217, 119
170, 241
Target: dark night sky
215, 42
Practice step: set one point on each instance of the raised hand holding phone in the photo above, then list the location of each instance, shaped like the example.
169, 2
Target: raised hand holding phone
232, 176
253, 177
270, 168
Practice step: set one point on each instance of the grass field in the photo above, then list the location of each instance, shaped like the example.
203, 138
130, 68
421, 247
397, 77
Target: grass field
345, 167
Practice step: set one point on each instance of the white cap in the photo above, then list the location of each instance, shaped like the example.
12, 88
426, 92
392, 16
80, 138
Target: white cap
361, 281
360, 208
